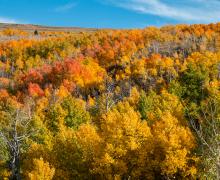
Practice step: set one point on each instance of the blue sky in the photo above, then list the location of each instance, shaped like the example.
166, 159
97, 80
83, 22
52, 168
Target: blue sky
109, 13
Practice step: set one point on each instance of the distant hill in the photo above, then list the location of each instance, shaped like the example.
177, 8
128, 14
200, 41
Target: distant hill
32, 27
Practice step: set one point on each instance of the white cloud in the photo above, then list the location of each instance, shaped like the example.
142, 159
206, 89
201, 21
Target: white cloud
65, 7
188, 10
8, 20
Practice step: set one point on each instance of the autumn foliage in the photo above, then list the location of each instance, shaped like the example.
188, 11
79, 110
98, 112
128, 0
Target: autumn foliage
113, 104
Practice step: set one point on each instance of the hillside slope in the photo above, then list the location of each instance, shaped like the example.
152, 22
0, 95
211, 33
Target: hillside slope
32, 27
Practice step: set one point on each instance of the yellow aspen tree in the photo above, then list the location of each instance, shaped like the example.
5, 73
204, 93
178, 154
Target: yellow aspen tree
42, 170
123, 135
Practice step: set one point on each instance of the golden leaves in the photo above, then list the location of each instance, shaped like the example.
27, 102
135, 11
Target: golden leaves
42, 170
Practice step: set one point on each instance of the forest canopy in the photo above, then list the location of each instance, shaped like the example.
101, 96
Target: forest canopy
111, 104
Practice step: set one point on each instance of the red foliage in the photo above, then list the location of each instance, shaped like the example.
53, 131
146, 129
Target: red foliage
3, 94
46, 69
33, 76
72, 67
57, 68
69, 85
35, 90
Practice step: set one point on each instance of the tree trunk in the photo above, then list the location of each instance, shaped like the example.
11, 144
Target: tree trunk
15, 174
15, 163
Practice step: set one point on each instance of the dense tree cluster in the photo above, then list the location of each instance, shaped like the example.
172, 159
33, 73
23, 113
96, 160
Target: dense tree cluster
111, 104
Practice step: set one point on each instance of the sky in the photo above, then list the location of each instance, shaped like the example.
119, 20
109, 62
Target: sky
109, 13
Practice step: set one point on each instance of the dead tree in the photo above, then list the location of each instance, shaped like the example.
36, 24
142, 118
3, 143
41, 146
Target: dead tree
14, 134
208, 136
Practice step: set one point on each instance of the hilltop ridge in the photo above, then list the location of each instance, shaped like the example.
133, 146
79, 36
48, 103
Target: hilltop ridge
32, 27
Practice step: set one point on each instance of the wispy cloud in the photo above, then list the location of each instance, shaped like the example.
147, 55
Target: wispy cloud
9, 20
65, 7
188, 10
